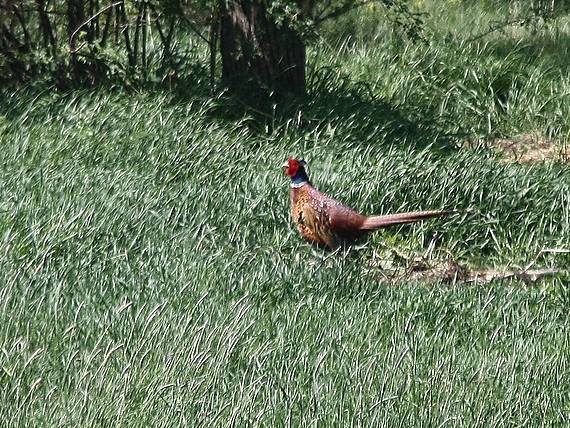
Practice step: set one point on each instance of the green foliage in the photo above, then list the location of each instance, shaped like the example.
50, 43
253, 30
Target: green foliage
128, 42
137, 41
307, 17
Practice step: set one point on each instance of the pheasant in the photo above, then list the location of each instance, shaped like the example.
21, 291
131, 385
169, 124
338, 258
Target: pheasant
327, 222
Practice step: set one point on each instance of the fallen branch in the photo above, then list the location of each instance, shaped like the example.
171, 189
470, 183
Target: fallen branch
449, 271
527, 276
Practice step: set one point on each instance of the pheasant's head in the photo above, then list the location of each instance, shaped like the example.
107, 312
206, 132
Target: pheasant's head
295, 168
292, 166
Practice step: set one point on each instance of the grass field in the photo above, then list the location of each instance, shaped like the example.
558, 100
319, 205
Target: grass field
150, 276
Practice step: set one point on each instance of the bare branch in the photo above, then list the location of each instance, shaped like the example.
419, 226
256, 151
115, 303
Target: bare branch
89, 20
341, 10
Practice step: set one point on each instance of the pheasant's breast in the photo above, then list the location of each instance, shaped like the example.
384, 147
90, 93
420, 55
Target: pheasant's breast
316, 229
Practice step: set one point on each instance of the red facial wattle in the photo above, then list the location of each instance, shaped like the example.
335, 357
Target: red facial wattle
293, 167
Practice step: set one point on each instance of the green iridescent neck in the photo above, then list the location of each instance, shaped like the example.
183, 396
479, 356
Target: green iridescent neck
299, 179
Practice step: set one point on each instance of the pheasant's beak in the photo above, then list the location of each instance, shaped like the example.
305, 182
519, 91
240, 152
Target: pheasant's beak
285, 165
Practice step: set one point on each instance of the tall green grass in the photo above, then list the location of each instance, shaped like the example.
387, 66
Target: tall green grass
149, 273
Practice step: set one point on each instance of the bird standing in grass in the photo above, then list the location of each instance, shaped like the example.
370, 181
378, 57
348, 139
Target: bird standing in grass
327, 222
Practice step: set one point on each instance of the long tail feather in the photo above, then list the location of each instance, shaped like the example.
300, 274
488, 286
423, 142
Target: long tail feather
380, 221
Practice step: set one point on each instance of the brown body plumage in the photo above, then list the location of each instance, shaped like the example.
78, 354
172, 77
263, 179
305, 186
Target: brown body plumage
327, 222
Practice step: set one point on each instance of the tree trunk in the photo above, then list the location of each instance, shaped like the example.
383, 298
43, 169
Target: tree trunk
259, 57
75, 18
45, 27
